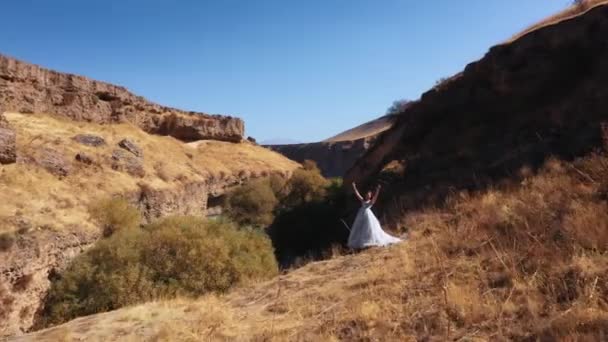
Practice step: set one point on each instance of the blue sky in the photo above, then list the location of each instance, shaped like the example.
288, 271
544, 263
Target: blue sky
295, 69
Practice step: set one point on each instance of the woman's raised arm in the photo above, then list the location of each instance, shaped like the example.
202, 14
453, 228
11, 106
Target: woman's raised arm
357, 194
376, 194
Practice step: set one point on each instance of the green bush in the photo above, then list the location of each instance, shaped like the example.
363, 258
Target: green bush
306, 185
311, 229
113, 214
253, 203
311, 226
278, 184
179, 256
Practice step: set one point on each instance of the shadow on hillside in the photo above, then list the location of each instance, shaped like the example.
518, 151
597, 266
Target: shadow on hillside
543, 96
310, 231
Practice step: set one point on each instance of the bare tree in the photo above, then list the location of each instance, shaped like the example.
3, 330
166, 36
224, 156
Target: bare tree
398, 107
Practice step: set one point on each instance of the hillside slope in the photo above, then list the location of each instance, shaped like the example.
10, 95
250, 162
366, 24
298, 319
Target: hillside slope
63, 167
368, 129
500, 177
542, 95
337, 154
29, 88
469, 271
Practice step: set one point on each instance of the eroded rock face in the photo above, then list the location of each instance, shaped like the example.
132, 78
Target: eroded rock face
25, 270
3, 121
32, 257
28, 88
130, 146
543, 95
8, 149
53, 161
89, 140
127, 162
332, 158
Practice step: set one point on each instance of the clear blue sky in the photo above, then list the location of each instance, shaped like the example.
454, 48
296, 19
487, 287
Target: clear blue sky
297, 69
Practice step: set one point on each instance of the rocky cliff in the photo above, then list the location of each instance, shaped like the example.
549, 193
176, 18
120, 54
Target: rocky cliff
58, 168
336, 155
28, 88
33, 256
542, 95
333, 158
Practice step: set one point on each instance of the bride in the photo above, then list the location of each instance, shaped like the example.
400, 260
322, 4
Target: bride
366, 231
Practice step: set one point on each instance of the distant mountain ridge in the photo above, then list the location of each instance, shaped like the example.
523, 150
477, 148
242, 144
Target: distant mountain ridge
370, 128
280, 141
337, 154
28, 88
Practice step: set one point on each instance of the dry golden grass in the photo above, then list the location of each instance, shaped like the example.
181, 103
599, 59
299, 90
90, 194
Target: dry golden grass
570, 12
31, 193
517, 263
365, 130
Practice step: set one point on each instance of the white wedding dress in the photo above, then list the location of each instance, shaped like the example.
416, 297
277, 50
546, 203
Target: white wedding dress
366, 231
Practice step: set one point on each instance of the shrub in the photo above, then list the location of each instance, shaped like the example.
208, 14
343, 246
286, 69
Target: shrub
7, 240
311, 229
113, 214
183, 256
398, 107
306, 185
278, 184
252, 203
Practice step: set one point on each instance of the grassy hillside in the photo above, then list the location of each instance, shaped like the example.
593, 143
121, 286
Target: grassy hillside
365, 130
60, 202
500, 178
572, 11
515, 263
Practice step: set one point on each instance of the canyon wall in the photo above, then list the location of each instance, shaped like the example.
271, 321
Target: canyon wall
31, 258
336, 155
333, 158
32, 253
541, 96
28, 88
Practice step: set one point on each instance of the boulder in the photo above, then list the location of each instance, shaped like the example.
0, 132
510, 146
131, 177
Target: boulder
89, 140
131, 147
53, 161
3, 121
8, 148
127, 162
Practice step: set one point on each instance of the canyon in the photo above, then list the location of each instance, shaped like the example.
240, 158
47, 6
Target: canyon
538, 97
334, 156
28, 88
68, 142
496, 177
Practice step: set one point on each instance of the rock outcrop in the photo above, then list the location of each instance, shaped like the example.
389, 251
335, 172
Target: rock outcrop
8, 152
3, 121
130, 146
28, 88
126, 162
543, 95
37, 241
332, 158
53, 161
89, 140
32, 258
8, 148
336, 155
28, 264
